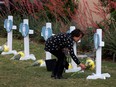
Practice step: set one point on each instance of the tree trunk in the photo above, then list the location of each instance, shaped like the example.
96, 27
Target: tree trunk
114, 57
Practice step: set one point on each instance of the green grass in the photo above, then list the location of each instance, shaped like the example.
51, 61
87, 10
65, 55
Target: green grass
15, 73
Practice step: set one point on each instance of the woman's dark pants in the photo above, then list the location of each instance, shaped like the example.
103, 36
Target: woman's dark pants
61, 63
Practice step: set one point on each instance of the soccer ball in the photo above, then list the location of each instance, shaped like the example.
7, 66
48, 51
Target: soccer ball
90, 64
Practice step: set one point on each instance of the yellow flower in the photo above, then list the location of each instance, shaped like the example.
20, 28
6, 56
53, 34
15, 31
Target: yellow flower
21, 53
6, 48
70, 66
40, 61
90, 64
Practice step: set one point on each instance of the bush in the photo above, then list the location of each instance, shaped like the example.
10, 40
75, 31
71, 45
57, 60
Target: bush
110, 39
39, 12
109, 28
87, 44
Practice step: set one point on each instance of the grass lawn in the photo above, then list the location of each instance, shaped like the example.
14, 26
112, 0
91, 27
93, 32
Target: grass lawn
14, 73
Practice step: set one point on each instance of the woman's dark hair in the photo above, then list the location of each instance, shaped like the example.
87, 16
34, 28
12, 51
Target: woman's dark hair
77, 33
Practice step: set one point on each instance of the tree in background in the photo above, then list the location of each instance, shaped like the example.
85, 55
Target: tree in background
49, 10
62, 14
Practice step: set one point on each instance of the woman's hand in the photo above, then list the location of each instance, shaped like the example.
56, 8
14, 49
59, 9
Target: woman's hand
82, 66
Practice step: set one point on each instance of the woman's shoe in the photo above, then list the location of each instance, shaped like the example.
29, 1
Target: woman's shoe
59, 77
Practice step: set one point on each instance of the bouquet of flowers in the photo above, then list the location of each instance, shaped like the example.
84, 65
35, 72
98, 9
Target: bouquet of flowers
90, 65
4, 48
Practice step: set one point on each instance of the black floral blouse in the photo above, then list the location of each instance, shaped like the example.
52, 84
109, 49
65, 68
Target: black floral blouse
61, 41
